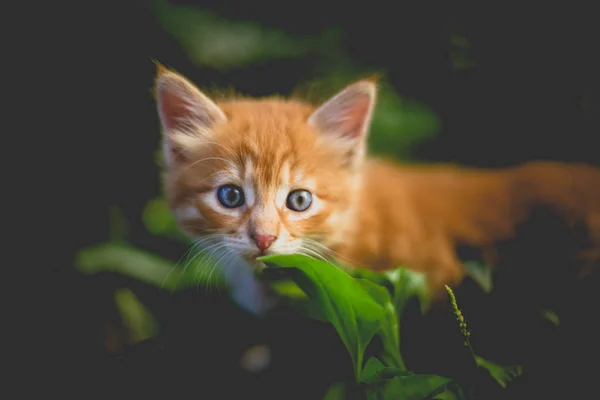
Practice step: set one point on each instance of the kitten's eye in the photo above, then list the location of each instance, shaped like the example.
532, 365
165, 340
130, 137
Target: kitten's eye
230, 196
299, 200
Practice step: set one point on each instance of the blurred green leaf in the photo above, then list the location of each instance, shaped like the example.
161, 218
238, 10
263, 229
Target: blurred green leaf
344, 301
413, 387
375, 371
337, 391
551, 316
446, 395
138, 319
481, 274
403, 283
407, 284
502, 374
118, 225
393, 383
159, 220
400, 123
215, 41
459, 53
139, 264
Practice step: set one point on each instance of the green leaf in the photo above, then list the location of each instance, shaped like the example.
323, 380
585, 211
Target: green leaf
159, 220
337, 391
138, 319
390, 328
414, 387
288, 289
481, 274
289, 292
118, 225
344, 301
407, 284
400, 123
404, 284
232, 43
446, 395
502, 374
371, 371
550, 316
375, 371
393, 383
141, 265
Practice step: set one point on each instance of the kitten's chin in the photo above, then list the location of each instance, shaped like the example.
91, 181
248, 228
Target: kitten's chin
251, 259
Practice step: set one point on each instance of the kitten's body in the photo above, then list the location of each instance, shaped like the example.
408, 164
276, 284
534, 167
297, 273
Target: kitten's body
419, 216
362, 210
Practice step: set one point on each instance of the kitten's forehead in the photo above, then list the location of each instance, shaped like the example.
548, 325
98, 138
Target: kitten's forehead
268, 173
269, 146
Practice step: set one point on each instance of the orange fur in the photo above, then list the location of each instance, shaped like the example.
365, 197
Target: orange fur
418, 215
366, 211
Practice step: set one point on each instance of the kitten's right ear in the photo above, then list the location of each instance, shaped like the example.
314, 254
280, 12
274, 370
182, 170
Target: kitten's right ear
183, 110
346, 117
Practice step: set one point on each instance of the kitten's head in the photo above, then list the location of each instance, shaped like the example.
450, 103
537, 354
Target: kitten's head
262, 176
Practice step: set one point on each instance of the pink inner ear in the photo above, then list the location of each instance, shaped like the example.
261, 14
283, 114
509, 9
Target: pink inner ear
174, 107
353, 124
347, 113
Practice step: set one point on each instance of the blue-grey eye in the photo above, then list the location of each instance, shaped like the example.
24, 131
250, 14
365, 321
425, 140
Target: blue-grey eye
230, 196
299, 200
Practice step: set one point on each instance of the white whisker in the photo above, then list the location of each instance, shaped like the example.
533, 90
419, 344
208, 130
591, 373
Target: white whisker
331, 253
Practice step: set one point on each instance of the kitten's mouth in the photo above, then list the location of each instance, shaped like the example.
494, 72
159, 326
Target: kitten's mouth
256, 265
259, 253
252, 255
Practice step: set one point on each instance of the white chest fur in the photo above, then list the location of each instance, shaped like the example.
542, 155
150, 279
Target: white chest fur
246, 290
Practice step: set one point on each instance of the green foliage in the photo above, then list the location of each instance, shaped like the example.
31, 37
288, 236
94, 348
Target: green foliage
159, 220
481, 274
502, 374
141, 265
360, 305
343, 301
139, 321
393, 383
359, 309
337, 391
210, 40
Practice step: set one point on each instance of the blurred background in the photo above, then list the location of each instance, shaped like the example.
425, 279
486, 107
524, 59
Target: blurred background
467, 83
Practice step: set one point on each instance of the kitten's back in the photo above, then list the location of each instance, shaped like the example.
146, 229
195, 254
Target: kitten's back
420, 215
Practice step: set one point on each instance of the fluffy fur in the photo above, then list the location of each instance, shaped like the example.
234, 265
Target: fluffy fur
365, 211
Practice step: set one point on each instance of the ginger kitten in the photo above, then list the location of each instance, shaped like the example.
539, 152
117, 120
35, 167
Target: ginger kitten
271, 176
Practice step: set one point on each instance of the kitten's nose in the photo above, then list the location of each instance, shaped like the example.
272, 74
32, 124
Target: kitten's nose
263, 242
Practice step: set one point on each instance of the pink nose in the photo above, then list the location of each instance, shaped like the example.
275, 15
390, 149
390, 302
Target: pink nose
263, 242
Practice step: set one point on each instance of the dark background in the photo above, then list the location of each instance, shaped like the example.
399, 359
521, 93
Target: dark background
506, 85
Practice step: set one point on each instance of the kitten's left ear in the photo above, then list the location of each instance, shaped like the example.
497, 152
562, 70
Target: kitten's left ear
185, 113
181, 103
347, 115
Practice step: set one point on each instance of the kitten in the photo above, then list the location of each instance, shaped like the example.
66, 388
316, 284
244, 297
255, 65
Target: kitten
277, 176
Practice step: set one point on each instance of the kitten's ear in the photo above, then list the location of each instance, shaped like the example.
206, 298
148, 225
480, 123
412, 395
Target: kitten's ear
347, 115
183, 110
